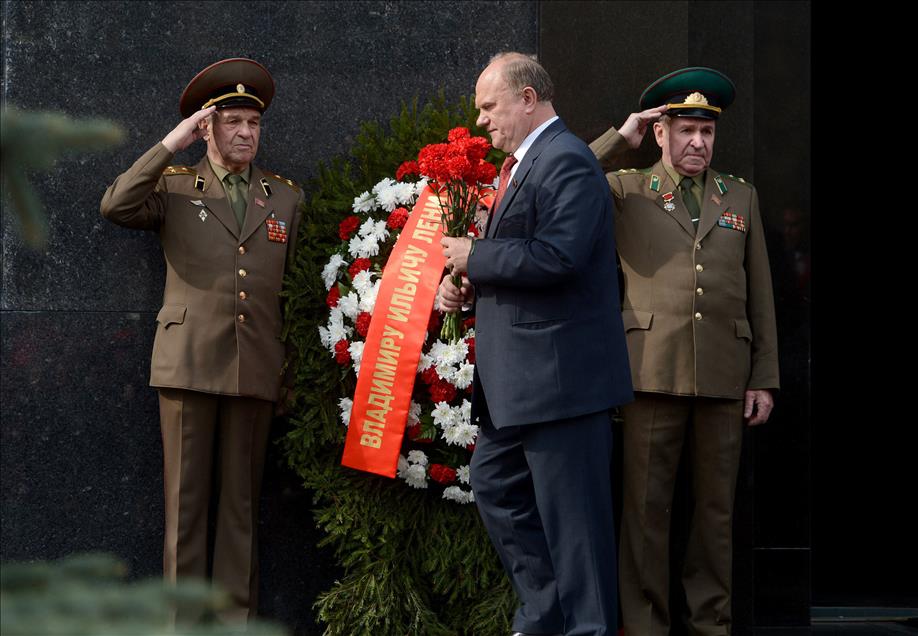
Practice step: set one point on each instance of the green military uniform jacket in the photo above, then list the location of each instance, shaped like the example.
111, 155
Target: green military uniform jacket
698, 308
219, 329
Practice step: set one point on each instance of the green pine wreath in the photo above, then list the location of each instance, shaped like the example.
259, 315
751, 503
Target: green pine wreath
412, 563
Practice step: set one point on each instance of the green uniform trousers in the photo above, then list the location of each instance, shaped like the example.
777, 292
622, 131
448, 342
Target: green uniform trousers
655, 429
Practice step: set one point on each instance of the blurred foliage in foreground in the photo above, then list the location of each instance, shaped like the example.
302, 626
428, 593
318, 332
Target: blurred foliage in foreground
33, 141
86, 595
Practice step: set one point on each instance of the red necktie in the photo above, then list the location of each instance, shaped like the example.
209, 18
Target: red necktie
509, 162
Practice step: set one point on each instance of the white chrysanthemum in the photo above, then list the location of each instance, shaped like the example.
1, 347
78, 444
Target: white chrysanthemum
354, 246
337, 330
383, 185
356, 351
380, 231
446, 371
415, 475
325, 337
330, 271
350, 305
442, 415
438, 350
420, 185
444, 353
345, 405
465, 412
461, 434
369, 246
364, 203
368, 299
363, 281
405, 193
462, 473
417, 457
469, 334
424, 362
455, 493
463, 377
414, 413
367, 228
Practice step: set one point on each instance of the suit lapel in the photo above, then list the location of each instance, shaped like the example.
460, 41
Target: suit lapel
254, 213
522, 171
217, 203
679, 212
713, 204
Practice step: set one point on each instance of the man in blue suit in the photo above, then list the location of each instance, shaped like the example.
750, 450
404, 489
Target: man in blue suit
551, 358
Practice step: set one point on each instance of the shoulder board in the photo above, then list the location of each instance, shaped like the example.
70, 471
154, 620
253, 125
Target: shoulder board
287, 182
624, 171
739, 179
171, 170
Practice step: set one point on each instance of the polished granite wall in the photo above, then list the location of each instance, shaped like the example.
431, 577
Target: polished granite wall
81, 455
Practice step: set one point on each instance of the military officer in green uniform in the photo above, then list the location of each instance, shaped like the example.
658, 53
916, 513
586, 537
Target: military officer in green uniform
227, 230
698, 313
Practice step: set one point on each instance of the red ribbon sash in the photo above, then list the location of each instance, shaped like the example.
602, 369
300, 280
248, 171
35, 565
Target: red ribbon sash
389, 364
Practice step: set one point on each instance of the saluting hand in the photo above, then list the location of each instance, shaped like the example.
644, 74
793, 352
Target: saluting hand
636, 125
188, 131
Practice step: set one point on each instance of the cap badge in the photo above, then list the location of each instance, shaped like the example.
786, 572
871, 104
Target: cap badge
696, 98
241, 89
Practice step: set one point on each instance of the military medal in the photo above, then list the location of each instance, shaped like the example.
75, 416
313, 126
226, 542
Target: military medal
259, 202
732, 221
203, 213
668, 204
277, 229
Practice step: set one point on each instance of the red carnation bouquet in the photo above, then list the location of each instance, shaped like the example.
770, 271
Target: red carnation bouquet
458, 173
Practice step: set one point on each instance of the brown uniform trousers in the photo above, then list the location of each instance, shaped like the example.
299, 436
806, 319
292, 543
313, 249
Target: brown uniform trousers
217, 357
698, 312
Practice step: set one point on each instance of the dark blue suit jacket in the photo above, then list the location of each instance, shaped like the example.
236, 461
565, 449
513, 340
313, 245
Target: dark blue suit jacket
549, 338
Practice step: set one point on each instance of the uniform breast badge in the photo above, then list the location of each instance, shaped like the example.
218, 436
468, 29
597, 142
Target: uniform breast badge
668, 204
732, 221
277, 229
203, 213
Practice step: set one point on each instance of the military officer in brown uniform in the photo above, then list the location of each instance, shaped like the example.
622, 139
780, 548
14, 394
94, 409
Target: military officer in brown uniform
227, 230
699, 319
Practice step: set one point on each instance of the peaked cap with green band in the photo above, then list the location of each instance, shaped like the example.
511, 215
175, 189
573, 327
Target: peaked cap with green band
237, 81
696, 91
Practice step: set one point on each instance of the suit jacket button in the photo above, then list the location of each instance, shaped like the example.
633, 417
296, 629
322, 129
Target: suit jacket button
698, 245
699, 267
697, 316
243, 295
699, 291
243, 273
242, 249
241, 317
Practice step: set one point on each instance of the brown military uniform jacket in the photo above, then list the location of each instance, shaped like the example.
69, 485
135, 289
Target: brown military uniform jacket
698, 307
220, 325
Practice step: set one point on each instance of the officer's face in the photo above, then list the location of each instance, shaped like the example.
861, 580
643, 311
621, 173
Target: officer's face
501, 111
234, 134
687, 143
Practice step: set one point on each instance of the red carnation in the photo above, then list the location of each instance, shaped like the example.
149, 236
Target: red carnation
363, 323
342, 355
347, 227
469, 322
407, 168
471, 343
442, 391
442, 474
333, 297
429, 375
458, 133
470, 447
397, 219
486, 173
358, 266
473, 229
415, 434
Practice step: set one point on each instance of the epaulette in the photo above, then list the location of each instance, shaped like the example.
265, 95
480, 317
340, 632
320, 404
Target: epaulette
282, 180
171, 170
740, 179
627, 171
